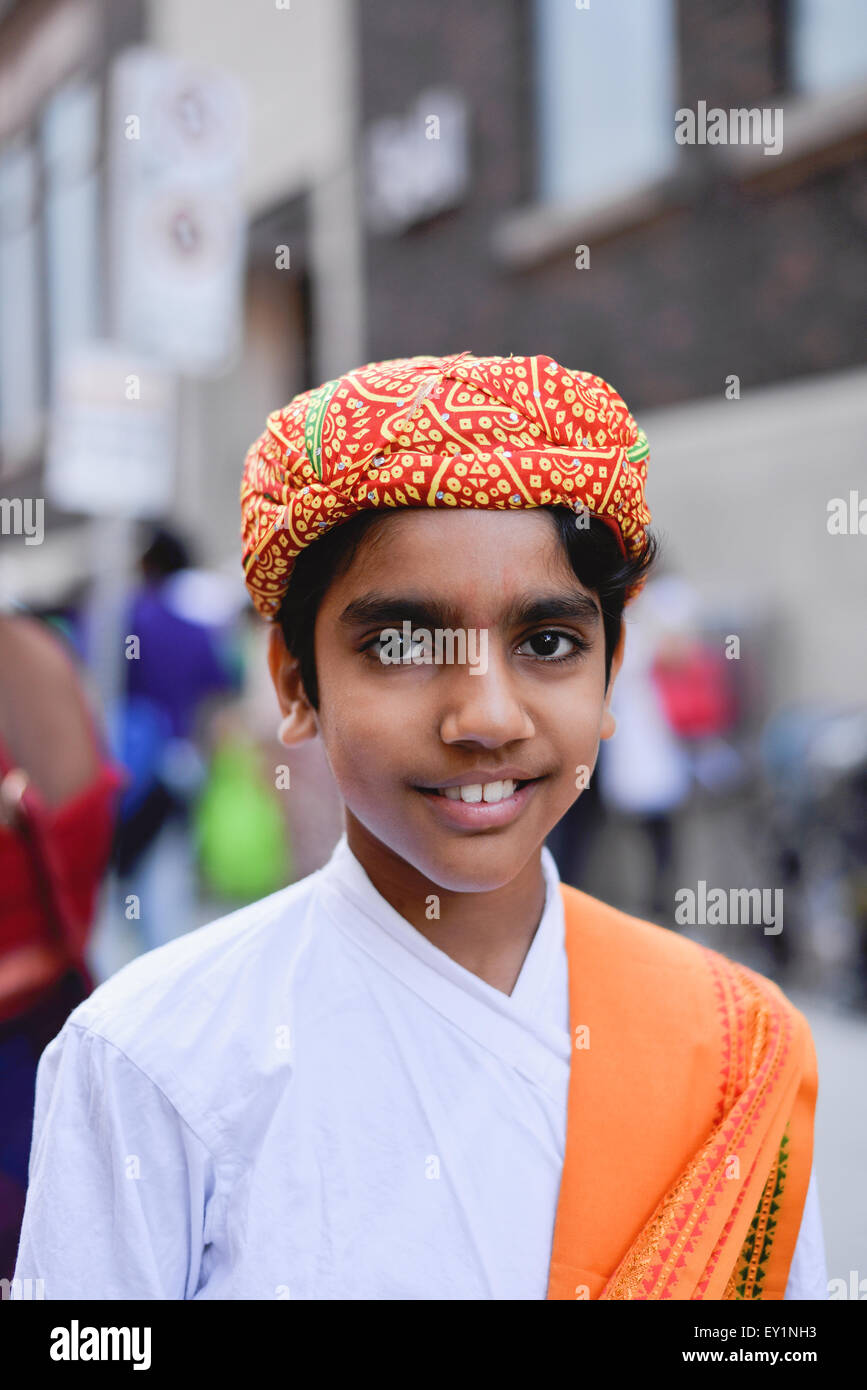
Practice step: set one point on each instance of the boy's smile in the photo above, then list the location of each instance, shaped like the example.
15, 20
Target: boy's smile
482, 799
401, 738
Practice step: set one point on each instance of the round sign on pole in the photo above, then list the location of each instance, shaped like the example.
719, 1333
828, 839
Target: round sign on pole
176, 152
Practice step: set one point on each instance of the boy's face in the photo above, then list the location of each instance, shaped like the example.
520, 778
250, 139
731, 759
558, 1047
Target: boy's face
392, 732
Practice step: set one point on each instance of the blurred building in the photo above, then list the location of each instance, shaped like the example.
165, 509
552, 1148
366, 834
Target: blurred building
503, 177
68, 275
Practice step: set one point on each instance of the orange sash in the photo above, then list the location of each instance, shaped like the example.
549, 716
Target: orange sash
690, 1122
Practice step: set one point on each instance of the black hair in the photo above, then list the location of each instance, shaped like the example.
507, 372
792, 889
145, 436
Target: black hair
165, 554
592, 551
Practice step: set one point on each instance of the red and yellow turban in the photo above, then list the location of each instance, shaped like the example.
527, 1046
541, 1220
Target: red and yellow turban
459, 431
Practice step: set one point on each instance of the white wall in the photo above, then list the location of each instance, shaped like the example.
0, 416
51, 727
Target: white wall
296, 66
740, 491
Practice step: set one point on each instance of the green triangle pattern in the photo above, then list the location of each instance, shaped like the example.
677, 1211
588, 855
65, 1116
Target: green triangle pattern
778, 1173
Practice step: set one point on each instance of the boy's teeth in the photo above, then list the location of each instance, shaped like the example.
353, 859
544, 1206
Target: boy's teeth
491, 791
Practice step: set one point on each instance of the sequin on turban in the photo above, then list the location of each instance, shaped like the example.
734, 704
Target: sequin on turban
459, 431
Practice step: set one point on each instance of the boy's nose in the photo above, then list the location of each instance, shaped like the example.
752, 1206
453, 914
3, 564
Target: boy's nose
484, 707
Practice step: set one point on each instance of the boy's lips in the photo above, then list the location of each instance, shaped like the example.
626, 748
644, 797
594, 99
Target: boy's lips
481, 775
478, 815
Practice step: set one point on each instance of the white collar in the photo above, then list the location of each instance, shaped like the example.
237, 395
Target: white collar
535, 1014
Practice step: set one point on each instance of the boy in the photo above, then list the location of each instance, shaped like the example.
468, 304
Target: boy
358, 1087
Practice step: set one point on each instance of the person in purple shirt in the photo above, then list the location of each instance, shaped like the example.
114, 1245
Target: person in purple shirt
186, 654
181, 661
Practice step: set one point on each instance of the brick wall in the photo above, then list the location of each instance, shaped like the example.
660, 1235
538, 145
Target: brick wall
759, 282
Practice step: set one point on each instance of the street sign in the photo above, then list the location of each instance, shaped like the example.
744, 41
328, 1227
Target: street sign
112, 437
176, 140
417, 163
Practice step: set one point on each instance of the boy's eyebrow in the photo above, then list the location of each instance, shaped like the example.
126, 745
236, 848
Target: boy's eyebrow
374, 609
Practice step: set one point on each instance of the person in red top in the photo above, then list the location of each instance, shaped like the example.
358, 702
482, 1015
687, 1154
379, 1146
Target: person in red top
58, 794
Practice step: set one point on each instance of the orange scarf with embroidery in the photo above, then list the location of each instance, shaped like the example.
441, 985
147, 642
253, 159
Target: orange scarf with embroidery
689, 1142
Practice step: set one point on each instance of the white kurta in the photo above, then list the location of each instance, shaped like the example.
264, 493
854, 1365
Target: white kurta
307, 1099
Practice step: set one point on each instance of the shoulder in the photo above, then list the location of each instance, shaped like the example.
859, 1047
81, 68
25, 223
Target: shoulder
599, 926
176, 1010
674, 963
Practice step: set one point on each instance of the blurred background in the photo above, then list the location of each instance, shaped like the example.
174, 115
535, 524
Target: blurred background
208, 207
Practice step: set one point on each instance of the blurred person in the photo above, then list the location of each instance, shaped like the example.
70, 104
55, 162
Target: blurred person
375, 1083
645, 773
185, 656
814, 761
310, 803
58, 793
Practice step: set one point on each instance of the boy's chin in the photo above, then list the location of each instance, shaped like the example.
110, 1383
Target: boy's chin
455, 859
472, 863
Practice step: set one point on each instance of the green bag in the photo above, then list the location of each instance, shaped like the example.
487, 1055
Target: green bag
241, 835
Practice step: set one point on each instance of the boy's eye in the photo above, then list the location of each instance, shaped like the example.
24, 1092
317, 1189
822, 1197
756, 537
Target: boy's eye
547, 645
398, 650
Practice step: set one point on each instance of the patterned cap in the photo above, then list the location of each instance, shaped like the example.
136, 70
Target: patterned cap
462, 431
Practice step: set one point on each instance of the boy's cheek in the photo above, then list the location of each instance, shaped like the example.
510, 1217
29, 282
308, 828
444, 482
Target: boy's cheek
363, 764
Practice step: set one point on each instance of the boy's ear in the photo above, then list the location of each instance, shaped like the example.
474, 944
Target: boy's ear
609, 723
299, 721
